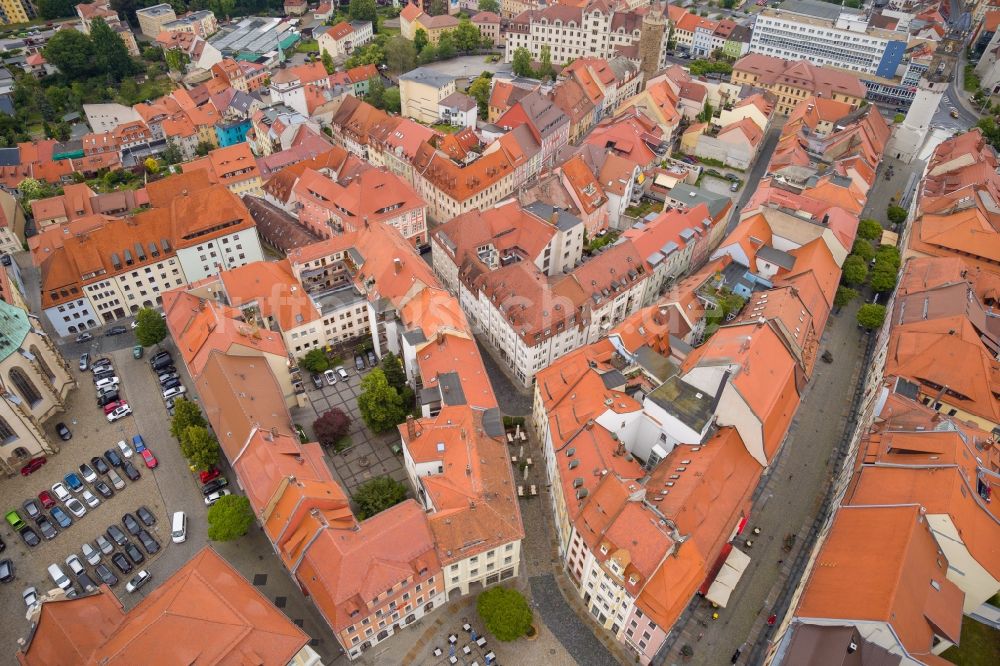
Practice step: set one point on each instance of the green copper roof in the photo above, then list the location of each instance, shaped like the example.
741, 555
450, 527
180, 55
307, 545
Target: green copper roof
14, 328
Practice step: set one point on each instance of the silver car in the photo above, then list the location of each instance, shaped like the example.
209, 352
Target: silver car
104, 545
75, 507
90, 554
90, 499
116, 480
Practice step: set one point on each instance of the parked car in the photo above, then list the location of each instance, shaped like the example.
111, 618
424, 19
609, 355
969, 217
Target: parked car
108, 382
100, 465
119, 413
112, 406
216, 496
60, 491
116, 480
134, 553
32, 509
88, 473
121, 563
59, 578
103, 544
104, 361
75, 565
74, 482
359, 363
33, 466
29, 536
84, 361
104, 489
166, 377
106, 575
90, 499
113, 458
149, 459
342, 372
125, 449
159, 356
115, 330
208, 474
317, 381
109, 397
137, 351
131, 472
75, 507
46, 528
60, 517
330, 376
104, 373
86, 582
64, 433
146, 516
14, 520
91, 554
138, 443
30, 596
171, 383
150, 544
174, 392
6, 571
45, 497
138, 581
214, 485
131, 524
115, 534
84, 337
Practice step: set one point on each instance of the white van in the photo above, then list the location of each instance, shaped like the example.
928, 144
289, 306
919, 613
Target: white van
58, 577
178, 527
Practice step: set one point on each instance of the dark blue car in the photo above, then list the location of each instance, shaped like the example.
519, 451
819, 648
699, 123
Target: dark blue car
61, 517
74, 482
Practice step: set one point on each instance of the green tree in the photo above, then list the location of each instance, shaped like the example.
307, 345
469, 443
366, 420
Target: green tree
863, 249
521, 64
400, 54
844, 296
446, 45
505, 612
32, 189
203, 148
376, 91
871, 316
391, 101
72, 52
152, 54
489, 6
327, 61
467, 36
706, 112
545, 69
855, 271
480, 91
363, 10
438, 8
883, 278
393, 370
420, 39
427, 55
869, 229
315, 360
896, 214
150, 328
176, 60
187, 414
110, 53
53, 9
377, 495
200, 447
151, 165
380, 404
369, 54
229, 518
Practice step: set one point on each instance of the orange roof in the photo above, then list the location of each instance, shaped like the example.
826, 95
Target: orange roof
451, 353
800, 74
589, 193
410, 12
199, 326
271, 287
706, 504
628, 136
475, 508
903, 582
70, 631
750, 130
228, 165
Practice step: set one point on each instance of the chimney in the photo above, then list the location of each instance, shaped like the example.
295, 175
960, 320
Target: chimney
440, 340
397, 264
411, 428
274, 433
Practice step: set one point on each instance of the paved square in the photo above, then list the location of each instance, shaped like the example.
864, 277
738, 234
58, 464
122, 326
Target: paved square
369, 455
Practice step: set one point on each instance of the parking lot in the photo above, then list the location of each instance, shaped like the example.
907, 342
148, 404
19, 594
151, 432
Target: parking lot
369, 455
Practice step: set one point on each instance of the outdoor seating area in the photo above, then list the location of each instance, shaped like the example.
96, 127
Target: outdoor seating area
467, 647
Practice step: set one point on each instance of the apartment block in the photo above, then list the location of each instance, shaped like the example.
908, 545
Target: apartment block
791, 81
152, 19
233, 166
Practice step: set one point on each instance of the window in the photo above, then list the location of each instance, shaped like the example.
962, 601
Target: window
7, 434
25, 386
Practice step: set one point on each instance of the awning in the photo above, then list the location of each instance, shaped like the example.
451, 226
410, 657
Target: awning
729, 575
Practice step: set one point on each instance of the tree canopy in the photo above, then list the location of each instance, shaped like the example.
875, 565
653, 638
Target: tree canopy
871, 316
855, 271
150, 328
505, 612
896, 214
489, 6
72, 52
377, 495
480, 91
521, 64
111, 56
229, 518
380, 404
186, 415
869, 229
363, 10
844, 296
315, 361
393, 369
332, 427
200, 447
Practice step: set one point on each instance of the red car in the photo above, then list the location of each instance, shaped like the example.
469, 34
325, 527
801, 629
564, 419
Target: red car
208, 475
112, 406
45, 497
149, 458
33, 466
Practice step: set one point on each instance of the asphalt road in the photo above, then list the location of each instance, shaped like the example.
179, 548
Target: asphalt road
757, 172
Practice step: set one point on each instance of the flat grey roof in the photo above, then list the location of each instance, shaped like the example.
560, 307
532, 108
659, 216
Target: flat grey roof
564, 219
823, 10
334, 299
427, 76
777, 257
691, 406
